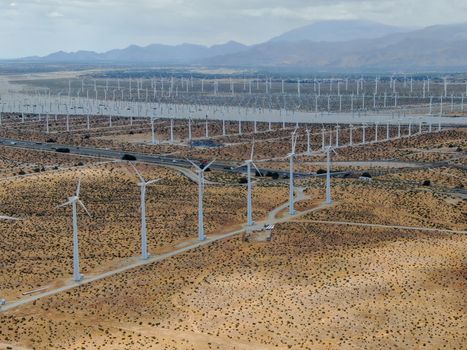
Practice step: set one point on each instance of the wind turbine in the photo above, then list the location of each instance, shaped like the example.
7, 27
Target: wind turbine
248, 163
308, 142
200, 171
144, 238
153, 132
73, 201
291, 156
8, 218
328, 173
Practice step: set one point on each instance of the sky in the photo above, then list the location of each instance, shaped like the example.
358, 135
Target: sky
39, 27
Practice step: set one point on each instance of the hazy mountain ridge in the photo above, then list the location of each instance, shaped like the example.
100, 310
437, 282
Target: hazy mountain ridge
439, 46
338, 31
184, 53
431, 47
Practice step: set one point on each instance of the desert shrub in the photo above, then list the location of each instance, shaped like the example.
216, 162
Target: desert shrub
243, 180
426, 183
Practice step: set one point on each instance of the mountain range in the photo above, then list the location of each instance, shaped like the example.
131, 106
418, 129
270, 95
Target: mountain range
167, 54
338, 31
321, 46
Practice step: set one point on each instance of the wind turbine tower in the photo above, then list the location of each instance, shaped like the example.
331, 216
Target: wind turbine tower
291, 157
144, 238
329, 149
74, 201
248, 164
200, 171
308, 142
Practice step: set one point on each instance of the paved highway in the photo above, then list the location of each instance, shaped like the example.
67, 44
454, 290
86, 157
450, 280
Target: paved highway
147, 158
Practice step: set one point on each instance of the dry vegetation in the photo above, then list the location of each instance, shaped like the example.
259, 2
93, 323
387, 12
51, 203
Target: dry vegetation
449, 144
314, 286
37, 251
448, 177
22, 162
391, 203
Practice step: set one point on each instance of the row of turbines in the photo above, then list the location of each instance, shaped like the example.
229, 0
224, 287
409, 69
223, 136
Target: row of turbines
172, 86
47, 111
364, 102
47, 119
322, 100
74, 201
410, 124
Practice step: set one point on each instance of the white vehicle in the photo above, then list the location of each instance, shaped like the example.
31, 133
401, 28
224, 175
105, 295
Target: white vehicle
365, 178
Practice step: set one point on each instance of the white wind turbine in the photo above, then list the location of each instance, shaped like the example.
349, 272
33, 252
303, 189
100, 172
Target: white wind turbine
328, 173
153, 132
73, 201
308, 142
291, 157
144, 238
200, 171
248, 163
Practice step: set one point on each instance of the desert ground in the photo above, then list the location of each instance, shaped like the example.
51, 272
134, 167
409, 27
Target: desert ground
383, 266
111, 234
313, 286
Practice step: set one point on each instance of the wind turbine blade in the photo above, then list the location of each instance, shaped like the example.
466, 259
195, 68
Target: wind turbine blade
137, 172
78, 188
295, 142
207, 166
63, 205
85, 209
240, 166
252, 149
151, 182
8, 218
259, 172
195, 165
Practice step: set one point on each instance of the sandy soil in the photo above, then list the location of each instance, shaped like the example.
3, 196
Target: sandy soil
37, 249
313, 286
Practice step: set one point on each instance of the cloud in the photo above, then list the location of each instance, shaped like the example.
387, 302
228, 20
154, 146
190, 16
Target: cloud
101, 25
